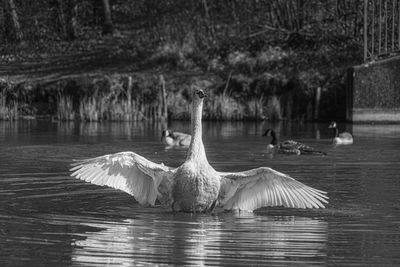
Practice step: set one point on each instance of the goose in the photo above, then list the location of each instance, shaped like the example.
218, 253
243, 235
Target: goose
195, 186
344, 138
171, 138
289, 146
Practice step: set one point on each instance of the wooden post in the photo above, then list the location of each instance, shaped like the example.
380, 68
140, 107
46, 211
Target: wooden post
129, 98
365, 30
289, 105
317, 100
164, 112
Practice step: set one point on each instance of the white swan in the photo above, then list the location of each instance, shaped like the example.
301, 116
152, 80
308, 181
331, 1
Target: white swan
171, 138
195, 186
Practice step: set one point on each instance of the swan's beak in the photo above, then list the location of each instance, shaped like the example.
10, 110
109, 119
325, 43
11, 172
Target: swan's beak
266, 133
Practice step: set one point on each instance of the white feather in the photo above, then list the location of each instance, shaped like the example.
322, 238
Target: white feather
263, 187
125, 171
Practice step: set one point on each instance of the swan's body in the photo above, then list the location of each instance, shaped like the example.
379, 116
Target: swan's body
195, 186
171, 138
289, 146
343, 138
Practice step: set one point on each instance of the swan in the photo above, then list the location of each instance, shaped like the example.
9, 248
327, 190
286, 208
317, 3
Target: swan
195, 186
289, 146
171, 138
344, 138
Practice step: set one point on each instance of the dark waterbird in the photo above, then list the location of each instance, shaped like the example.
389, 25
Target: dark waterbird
172, 138
344, 138
289, 146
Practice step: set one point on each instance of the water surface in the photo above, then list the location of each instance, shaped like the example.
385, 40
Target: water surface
49, 218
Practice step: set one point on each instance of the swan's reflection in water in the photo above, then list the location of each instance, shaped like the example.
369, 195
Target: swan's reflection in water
225, 239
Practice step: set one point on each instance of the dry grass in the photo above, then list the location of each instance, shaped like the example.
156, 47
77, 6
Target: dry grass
111, 100
224, 107
8, 111
256, 109
65, 110
274, 110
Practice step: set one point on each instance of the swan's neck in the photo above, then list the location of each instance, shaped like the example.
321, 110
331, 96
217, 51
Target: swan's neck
196, 148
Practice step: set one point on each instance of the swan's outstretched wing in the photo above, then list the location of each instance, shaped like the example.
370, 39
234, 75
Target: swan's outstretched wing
129, 172
263, 187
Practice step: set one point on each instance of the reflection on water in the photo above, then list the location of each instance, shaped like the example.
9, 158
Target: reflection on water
201, 240
48, 218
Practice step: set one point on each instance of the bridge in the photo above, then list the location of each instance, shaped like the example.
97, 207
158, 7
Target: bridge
373, 91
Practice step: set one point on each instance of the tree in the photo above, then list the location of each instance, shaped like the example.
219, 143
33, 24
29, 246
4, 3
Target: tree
107, 25
61, 16
15, 20
72, 18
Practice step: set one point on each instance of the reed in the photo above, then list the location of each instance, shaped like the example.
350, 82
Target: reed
123, 110
8, 111
90, 109
65, 111
274, 110
112, 98
255, 108
224, 107
178, 107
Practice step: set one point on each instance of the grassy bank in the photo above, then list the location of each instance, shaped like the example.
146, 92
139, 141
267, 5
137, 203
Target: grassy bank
146, 96
130, 97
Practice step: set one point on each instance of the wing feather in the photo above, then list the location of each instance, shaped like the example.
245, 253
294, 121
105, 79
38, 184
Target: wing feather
262, 187
298, 198
125, 171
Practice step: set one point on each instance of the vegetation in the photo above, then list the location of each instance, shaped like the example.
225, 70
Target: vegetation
259, 59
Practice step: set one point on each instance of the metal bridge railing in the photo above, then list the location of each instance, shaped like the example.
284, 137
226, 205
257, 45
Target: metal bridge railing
381, 29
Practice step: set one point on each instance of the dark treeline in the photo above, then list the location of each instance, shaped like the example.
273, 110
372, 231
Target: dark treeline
275, 54
213, 23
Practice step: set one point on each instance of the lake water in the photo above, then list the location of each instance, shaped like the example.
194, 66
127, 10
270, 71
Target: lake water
49, 218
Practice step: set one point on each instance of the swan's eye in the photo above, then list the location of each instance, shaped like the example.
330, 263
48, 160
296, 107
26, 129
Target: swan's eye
201, 94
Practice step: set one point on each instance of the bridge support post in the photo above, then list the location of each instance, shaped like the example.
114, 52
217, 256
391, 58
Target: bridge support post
373, 92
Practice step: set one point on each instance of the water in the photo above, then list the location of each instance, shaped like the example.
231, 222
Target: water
49, 218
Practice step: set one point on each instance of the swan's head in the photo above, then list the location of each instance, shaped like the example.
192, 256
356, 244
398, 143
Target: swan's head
332, 125
200, 93
269, 132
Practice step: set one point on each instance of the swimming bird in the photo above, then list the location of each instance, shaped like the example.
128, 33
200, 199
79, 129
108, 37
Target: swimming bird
289, 146
344, 138
196, 186
171, 138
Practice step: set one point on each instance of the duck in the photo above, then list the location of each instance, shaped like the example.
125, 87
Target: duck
172, 138
344, 138
195, 186
289, 146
